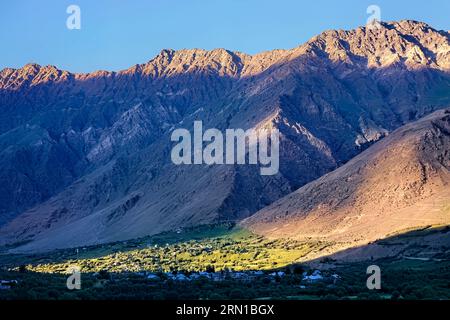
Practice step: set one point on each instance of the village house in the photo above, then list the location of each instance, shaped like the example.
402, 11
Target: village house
7, 284
316, 276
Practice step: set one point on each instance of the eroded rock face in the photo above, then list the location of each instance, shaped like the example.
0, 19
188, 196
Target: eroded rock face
75, 148
401, 183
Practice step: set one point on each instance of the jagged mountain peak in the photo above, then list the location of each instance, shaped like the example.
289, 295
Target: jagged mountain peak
412, 43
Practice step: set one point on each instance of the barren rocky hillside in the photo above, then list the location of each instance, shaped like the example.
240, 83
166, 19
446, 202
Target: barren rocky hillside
401, 183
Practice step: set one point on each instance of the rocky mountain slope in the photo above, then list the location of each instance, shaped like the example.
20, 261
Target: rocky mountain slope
85, 158
401, 183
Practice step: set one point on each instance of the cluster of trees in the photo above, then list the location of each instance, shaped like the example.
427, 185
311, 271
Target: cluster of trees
111, 271
243, 253
430, 281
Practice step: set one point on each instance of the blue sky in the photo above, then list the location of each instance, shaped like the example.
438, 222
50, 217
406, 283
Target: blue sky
116, 34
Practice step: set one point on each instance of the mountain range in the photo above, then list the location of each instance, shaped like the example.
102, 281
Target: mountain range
85, 158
